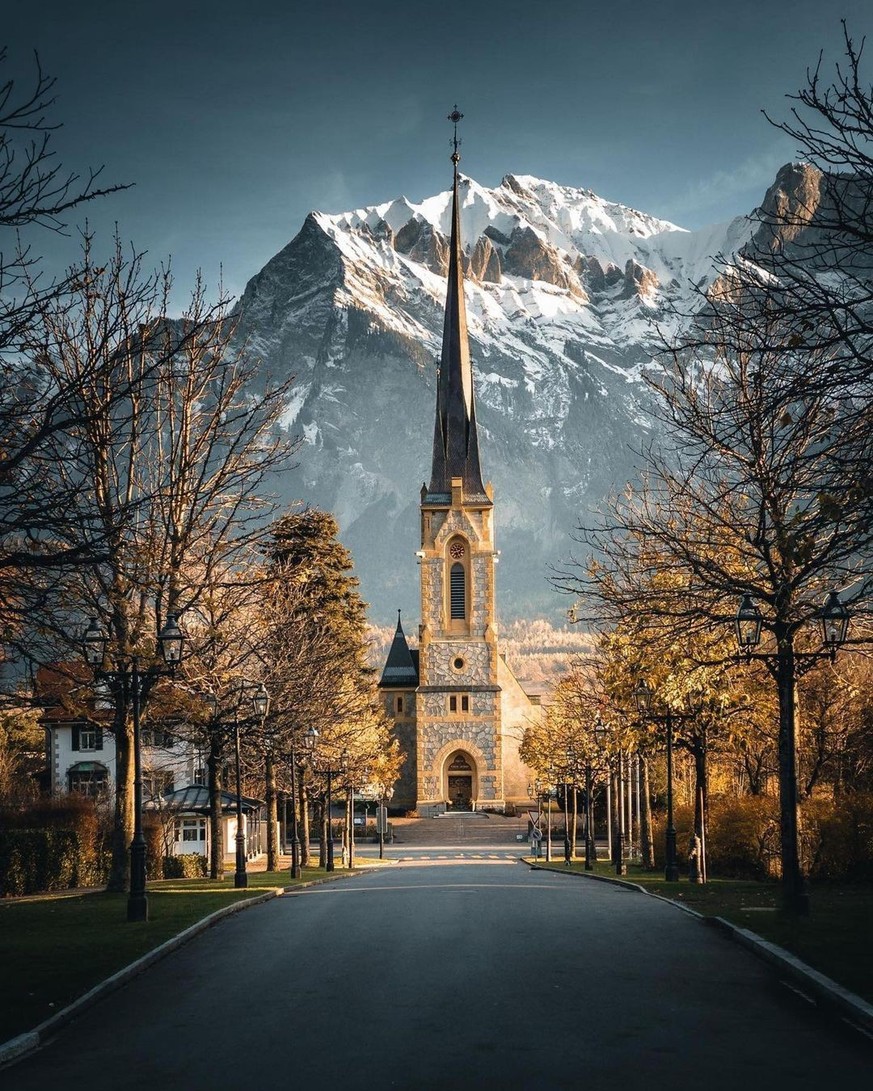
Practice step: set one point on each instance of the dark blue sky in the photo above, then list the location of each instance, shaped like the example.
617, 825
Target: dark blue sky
236, 119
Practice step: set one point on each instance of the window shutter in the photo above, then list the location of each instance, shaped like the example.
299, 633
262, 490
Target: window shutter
75, 731
457, 592
99, 739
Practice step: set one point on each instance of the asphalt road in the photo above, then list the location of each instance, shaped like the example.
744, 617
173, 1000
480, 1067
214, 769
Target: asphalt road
453, 974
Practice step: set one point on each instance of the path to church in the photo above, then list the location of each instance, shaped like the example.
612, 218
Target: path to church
454, 973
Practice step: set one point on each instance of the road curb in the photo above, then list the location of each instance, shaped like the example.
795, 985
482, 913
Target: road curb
822, 990
17, 1047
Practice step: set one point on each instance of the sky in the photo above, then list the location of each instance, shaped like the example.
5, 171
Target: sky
235, 120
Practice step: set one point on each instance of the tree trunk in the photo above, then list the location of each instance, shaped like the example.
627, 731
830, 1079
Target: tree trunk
699, 753
216, 825
323, 821
122, 828
302, 803
793, 879
647, 837
272, 814
575, 823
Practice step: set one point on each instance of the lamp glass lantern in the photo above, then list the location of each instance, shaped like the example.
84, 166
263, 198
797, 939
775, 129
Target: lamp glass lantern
834, 622
310, 741
94, 642
643, 697
171, 640
261, 701
748, 624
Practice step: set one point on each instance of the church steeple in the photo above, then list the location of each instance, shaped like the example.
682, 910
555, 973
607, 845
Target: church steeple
455, 440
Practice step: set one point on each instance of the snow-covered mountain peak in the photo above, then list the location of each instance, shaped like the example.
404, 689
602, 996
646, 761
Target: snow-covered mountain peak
567, 294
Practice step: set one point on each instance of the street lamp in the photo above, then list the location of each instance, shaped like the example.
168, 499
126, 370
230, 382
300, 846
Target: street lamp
296, 869
643, 694
128, 674
312, 741
385, 795
785, 665
834, 619
570, 757
260, 700
747, 625
548, 794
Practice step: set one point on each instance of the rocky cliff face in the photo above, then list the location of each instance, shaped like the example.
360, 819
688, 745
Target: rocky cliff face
563, 290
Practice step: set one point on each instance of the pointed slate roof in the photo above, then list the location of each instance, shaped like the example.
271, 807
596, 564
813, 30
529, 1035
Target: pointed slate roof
455, 439
400, 669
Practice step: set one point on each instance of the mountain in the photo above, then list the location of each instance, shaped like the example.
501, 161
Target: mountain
563, 293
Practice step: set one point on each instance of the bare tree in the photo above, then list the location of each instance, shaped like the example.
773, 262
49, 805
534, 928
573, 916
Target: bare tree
172, 477
36, 193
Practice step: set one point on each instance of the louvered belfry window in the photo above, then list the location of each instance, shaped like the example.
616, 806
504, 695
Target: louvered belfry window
458, 592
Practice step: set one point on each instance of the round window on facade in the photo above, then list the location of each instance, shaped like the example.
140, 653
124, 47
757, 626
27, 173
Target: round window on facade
458, 663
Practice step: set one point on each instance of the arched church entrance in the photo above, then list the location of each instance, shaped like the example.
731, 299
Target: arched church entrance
460, 780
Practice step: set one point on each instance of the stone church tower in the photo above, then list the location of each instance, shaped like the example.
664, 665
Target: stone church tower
459, 712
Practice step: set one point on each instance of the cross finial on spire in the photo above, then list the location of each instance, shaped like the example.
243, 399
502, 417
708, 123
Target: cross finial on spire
455, 116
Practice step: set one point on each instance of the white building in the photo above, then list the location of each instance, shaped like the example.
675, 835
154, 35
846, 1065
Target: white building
81, 758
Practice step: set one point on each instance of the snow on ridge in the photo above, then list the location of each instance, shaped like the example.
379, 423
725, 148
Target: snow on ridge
516, 315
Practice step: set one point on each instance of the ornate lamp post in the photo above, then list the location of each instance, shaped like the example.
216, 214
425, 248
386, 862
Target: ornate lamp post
260, 706
130, 676
312, 743
296, 869
547, 799
569, 761
785, 665
643, 694
385, 795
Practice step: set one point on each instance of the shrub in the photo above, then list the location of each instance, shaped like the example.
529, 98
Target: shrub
191, 865
742, 836
68, 812
154, 847
34, 861
838, 837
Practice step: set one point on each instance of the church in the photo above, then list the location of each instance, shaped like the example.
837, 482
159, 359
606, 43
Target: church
458, 710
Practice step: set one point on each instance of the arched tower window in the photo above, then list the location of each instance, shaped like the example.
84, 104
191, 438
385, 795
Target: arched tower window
458, 591
458, 565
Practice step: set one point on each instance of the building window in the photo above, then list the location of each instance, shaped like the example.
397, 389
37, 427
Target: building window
198, 777
87, 738
156, 737
89, 779
458, 592
399, 704
459, 702
191, 829
453, 704
465, 703
155, 782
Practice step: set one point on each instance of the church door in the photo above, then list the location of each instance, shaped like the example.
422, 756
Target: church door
460, 792
459, 782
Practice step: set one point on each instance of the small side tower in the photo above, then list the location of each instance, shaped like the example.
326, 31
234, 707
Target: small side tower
398, 684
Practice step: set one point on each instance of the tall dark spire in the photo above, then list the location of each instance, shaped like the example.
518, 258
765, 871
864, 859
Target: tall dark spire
455, 440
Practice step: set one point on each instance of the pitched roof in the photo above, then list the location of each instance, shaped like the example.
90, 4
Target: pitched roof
400, 668
195, 797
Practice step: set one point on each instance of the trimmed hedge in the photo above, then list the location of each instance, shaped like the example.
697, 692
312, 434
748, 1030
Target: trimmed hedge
33, 861
191, 865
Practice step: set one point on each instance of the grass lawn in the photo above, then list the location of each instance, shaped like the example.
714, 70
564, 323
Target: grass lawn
834, 938
55, 949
